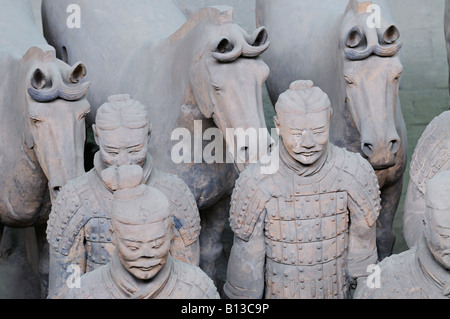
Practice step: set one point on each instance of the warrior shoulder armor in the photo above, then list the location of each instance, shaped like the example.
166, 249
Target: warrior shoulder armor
68, 216
432, 151
248, 202
361, 183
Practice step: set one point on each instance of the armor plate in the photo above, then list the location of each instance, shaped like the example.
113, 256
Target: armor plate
306, 244
432, 153
99, 247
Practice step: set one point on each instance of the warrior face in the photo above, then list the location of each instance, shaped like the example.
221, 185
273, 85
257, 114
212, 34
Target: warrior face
122, 132
305, 136
123, 146
303, 120
437, 234
437, 218
142, 249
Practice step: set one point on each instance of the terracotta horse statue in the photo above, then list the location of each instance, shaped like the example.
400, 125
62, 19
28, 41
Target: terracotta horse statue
194, 76
350, 49
42, 110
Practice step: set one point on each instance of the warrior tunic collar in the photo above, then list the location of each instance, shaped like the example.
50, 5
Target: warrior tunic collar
134, 288
307, 171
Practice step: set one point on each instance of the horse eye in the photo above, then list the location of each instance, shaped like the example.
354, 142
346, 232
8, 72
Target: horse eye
35, 121
348, 79
83, 116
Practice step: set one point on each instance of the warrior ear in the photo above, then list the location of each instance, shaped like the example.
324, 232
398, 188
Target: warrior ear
77, 72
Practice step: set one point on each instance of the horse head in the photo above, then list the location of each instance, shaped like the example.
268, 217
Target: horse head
227, 80
372, 71
55, 110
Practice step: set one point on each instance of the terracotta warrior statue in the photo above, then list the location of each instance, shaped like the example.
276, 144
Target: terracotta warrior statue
141, 266
431, 156
307, 231
78, 228
423, 272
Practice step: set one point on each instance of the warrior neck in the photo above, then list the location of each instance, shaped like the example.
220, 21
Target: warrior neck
299, 168
135, 288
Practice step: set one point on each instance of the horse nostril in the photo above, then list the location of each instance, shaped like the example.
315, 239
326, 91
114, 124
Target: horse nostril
367, 149
394, 146
56, 190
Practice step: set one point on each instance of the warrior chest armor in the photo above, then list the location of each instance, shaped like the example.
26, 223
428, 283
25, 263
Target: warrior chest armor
306, 244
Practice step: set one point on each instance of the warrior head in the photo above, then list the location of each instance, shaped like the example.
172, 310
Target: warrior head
303, 119
122, 132
437, 218
141, 224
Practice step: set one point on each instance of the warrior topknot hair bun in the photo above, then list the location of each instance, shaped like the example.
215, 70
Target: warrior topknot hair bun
123, 178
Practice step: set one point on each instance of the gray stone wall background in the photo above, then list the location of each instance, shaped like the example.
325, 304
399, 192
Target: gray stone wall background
424, 94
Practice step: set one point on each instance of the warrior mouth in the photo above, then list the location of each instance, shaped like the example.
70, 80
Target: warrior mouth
309, 154
145, 268
148, 266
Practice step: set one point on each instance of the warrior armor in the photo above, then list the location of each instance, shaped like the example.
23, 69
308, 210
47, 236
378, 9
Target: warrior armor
432, 153
307, 230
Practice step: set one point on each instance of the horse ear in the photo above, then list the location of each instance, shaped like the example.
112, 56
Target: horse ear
391, 35
225, 51
77, 72
223, 46
38, 79
354, 37
259, 37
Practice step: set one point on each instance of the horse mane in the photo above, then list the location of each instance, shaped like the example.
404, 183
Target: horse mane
358, 6
218, 15
44, 53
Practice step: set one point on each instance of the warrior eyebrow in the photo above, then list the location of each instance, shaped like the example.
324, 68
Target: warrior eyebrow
143, 242
135, 146
314, 129
111, 147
